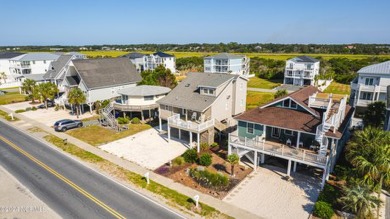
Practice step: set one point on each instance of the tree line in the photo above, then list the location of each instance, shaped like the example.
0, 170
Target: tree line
371, 49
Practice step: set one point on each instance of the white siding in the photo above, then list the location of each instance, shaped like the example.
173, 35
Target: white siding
105, 93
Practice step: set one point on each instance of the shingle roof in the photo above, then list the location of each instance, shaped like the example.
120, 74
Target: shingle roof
144, 90
37, 56
9, 55
162, 54
293, 119
106, 72
134, 55
56, 66
380, 68
226, 56
35, 77
186, 94
304, 59
301, 97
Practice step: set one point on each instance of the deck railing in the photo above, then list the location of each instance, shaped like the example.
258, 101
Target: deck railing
282, 151
125, 107
175, 120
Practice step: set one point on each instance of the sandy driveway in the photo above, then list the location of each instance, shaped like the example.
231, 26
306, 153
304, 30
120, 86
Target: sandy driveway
148, 149
264, 193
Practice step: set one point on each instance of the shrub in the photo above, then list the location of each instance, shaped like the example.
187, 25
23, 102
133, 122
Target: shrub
190, 156
204, 146
123, 120
20, 111
329, 195
27, 98
178, 161
323, 210
57, 107
135, 120
205, 159
210, 180
214, 145
33, 108
28, 108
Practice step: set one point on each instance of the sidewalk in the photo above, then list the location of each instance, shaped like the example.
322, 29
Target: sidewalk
25, 123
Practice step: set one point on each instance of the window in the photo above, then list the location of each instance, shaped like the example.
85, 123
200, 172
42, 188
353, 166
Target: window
207, 68
208, 91
44, 61
275, 132
289, 104
33, 62
249, 128
366, 96
369, 81
148, 98
288, 132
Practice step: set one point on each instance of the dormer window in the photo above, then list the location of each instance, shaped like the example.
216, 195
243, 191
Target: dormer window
209, 91
288, 103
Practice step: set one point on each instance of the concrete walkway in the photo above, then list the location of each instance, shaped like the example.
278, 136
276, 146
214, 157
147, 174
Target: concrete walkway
25, 123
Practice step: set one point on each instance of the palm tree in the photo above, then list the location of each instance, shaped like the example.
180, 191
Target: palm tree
369, 153
3, 76
28, 87
76, 97
359, 200
47, 91
233, 160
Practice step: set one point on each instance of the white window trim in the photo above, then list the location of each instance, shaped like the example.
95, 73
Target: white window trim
272, 133
247, 128
289, 134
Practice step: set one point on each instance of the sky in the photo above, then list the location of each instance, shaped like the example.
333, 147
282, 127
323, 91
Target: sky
90, 22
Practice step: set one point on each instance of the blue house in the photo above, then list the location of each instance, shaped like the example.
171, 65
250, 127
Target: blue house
307, 127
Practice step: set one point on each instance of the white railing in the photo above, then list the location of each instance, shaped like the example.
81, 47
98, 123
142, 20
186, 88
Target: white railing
176, 121
278, 151
120, 106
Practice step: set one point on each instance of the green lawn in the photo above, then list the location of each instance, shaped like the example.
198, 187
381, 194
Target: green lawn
12, 97
337, 88
257, 82
255, 99
97, 135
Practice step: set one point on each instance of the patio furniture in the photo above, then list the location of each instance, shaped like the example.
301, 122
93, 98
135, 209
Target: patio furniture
313, 147
193, 117
288, 142
300, 144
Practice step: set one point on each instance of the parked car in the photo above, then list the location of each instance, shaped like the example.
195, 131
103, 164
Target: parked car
49, 104
65, 124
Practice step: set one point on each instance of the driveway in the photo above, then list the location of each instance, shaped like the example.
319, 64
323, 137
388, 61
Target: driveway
149, 148
267, 195
46, 116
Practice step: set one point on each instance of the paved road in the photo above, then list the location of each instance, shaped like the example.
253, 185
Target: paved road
68, 187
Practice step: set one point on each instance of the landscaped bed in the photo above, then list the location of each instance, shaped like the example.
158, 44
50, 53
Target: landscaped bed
194, 176
97, 135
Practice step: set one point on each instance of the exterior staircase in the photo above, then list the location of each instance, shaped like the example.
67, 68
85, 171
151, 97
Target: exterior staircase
107, 118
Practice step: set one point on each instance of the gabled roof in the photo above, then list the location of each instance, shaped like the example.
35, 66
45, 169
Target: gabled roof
56, 66
304, 59
186, 94
134, 55
37, 56
144, 90
293, 119
162, 54
380, 68
226, 56
106, 72
301, 97
9, 55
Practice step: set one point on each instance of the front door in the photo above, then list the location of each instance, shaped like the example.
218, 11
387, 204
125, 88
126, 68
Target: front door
275, 132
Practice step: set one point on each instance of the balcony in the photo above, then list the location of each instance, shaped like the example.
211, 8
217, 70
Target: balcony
176, 122
279, 150
126, 107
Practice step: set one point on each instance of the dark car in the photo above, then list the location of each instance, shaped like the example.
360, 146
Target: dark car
65, 124
49, 104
